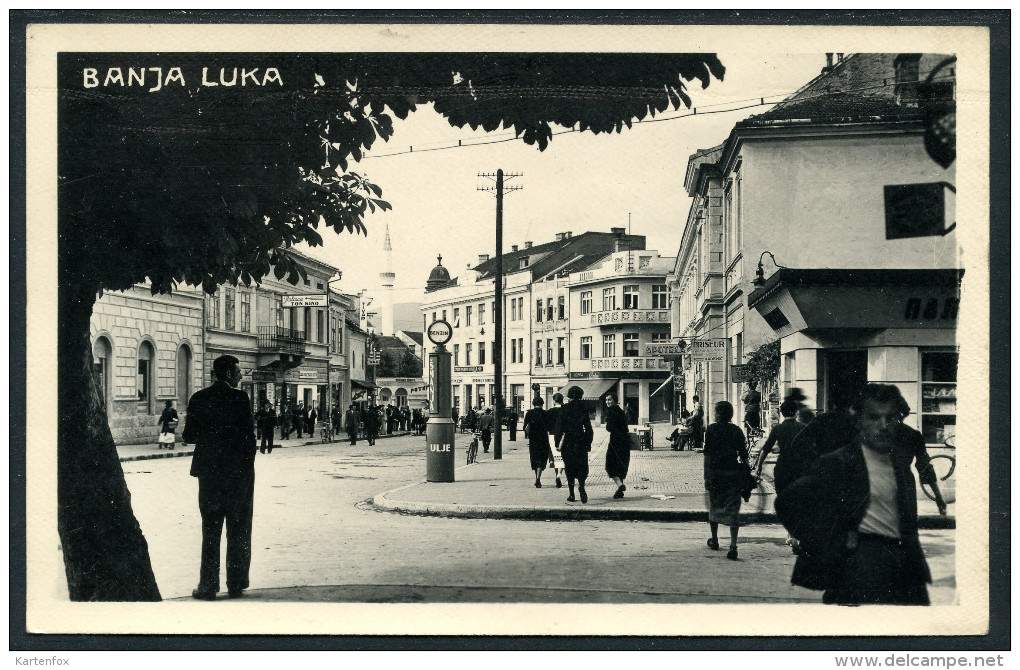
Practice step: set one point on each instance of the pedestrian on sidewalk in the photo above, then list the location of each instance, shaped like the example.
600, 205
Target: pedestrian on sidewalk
168, 426
855, 510
338, 420
511, 423
370, 420
313, 416
726, 473
552, 416
573, 439
485, 425
536, 429
783, 434
351, 421
697, 423
618, 451
221, 427
265, 419
300, 418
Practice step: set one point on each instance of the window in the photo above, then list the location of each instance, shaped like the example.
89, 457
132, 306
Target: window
548, 352
434, 317
586, 302
520, 350
524, 262
467, 353
481, 314
538, 310
659, 296
630, 297
143, 381
308, 323
513, 351
520, 308
561, 350
278, 308
538, 352
630, 344
228, 308
245, 311
320, 326
513, 309
481, 353
444, 315
561, 307
660, 338
548, 309
183, 375
101, 354
212, 309
456, 354
319, 286
467, 315
608, 299
456, 317
586, 347
609, 346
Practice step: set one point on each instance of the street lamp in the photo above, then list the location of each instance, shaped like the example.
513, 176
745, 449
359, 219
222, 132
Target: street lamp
759, 278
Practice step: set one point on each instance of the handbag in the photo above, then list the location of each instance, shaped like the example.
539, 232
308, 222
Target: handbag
750, 481
172, 424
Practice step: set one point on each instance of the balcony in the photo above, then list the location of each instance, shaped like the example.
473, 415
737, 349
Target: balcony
280, 347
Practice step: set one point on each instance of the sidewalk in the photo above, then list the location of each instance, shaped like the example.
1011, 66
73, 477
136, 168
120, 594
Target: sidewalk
142, 452
662, 485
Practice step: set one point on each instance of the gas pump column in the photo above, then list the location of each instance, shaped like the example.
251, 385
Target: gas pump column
439, 431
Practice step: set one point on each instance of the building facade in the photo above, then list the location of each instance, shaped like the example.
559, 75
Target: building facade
825, 224
537, 317
619, 316
146, 349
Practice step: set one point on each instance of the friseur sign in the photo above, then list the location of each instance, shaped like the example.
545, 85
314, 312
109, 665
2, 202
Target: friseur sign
630, 316
708, 350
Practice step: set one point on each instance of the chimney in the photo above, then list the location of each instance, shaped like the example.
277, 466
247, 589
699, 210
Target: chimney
513, 247
906, 67
482, 258
618, 231
527, 245
839, 58
559, 237
567, 235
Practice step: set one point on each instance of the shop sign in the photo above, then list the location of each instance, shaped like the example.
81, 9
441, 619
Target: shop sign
305, 300
468, 368
664, 349
740, 374
629, 364
308, 374
630, 316
679, 383
271, 393
618, 374
708, 350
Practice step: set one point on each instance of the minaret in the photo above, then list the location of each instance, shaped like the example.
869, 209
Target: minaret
386, 278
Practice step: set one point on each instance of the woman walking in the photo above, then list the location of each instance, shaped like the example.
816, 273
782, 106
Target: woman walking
573, 440
618, 451
726, 470
537, 432
168, 426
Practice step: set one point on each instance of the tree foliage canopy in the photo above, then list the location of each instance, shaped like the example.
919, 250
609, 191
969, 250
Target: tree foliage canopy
174, 176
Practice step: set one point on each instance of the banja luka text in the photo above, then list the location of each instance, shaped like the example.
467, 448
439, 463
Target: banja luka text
158, 78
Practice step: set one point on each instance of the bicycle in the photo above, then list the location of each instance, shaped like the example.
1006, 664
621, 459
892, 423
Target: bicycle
472, 448
944, 466
326, 433
753, 435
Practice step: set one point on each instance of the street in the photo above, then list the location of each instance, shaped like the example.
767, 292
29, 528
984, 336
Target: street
316, 536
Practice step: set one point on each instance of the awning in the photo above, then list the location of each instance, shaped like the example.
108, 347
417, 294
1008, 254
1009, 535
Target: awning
668, 380
593, 388
363, 384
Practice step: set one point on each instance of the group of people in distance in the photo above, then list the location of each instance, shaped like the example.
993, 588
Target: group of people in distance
844, 493
572, 433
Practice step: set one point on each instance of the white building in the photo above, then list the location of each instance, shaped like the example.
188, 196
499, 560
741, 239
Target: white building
808, 226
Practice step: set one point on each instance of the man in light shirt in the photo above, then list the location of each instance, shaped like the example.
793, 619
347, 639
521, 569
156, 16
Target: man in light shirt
855, 511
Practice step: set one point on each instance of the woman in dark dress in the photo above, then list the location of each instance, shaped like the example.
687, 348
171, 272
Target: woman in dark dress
573, 440
725, 476
618, 451
168, 426
538, 439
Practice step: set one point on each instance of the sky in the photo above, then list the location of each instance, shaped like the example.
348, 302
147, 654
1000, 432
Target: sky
581, 181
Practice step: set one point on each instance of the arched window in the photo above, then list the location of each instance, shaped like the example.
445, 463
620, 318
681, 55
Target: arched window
145, 380
401, 396
183, 375
102, 367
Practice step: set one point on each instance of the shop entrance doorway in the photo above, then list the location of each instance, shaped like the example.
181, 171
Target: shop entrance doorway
846, 373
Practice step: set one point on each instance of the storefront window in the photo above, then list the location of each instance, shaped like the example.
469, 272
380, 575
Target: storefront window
938, 396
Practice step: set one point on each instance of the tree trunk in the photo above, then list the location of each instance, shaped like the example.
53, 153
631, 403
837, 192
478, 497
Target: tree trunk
106, 557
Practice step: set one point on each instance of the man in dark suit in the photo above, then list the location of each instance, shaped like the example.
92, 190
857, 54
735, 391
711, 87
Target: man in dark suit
220, 425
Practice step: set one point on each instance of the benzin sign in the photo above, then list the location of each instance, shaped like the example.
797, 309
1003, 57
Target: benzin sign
304, 301
708, 350
439, 332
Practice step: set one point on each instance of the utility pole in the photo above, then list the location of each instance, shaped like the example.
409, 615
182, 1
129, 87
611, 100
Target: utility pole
497, 313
